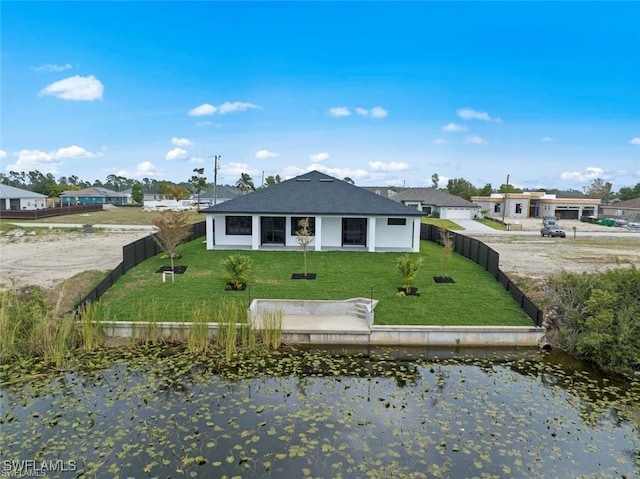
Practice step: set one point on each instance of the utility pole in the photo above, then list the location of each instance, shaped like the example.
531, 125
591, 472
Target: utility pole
504, 209
215, 177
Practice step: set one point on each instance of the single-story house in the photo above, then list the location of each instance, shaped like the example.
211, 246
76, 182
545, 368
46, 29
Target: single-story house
94, 196
381, 190
223, 193
433, 200
341, 216
12, 198
628, 210
536, 204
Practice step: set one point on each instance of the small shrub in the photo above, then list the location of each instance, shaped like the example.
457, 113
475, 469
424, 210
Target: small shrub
237, 268
408, 267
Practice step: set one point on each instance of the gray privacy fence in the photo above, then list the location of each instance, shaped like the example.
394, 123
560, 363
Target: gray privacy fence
144, 248
489, 259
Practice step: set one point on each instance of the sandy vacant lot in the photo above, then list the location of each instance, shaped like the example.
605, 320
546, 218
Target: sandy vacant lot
46, 260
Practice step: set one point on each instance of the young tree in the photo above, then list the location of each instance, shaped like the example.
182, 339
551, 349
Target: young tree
434, 180
173, 229
245, 183
303, 235
447, 249
137, 195
198, 182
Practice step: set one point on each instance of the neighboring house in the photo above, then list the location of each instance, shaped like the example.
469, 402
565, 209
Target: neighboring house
628, 210
381, 190
12, 198
223, 193
536, 204
152, 195
342, 216
93, 196
433, 200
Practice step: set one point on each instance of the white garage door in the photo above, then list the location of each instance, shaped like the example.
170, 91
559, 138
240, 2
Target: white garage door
456, 213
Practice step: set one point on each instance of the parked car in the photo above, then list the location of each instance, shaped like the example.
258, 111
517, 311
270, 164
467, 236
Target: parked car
552, 231
588, 219
549, 221
620, 222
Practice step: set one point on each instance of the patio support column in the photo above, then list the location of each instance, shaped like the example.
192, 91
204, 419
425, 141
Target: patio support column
210, 233
318, 238
371, 234
416, 234
255, 232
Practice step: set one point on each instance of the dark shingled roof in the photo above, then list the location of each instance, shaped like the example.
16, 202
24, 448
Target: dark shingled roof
313, 193
433, 196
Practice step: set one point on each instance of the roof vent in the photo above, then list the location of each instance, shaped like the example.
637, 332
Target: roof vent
326, 180
303, 179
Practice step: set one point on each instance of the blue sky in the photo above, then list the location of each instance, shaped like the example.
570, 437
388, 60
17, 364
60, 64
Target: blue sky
385, 93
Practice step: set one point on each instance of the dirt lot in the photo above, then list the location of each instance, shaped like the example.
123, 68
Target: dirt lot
45, 260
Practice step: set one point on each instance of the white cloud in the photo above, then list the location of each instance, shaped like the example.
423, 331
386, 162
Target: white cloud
176, 154
475, 140
449, 127
439, 141
145, 169
197, 159
470, 114
339, 111
322, 156
236, 169
74, 151
547, 139
392, 166
51, 67
203, 123
226, 107
588, 174
204, 109
375, 112
265, 154
339, 172
635, 141
230, 107
30, 160
3, 154
181, 141
378, 112
75, 88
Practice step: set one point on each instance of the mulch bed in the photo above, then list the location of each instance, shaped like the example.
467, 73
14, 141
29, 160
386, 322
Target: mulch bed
443, 279
303, 276
176, 269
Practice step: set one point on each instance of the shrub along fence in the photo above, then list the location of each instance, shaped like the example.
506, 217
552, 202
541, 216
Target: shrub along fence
138, 251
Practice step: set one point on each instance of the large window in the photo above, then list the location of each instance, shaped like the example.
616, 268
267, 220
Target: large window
518, 207
272, 228
295, 224
238, 225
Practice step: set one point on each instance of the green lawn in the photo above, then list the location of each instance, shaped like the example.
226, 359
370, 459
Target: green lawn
440, 223
474, 299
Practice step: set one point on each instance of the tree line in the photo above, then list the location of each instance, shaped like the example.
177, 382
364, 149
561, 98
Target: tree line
48, 184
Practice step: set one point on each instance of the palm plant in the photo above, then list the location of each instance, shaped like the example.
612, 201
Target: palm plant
408, 267
237, 268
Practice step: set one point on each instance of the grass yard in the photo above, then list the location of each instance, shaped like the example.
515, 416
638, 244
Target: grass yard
440, 223
474, 299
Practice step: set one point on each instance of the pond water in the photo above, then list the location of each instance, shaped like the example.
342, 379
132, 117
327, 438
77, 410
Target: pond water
167, 413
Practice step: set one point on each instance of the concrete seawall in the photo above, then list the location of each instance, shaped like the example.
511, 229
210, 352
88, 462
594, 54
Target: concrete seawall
425, 336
